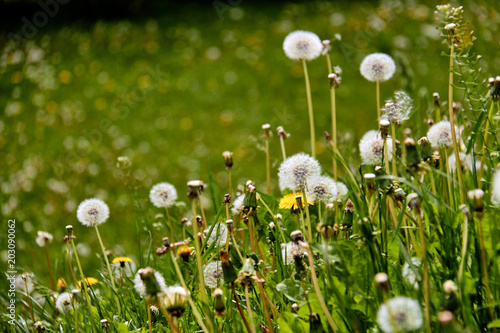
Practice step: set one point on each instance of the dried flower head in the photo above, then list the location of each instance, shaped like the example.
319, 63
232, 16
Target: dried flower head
297, 170
398, 110
439, 135
371, 148
163, 195
212, 272
402, 312
323, 189
92, 212
377, 67
302, 45
43, 238
228, 159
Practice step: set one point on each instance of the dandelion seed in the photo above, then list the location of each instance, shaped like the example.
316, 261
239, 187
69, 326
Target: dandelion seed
238, 204
439, 135
342, 190
398, 110
371, 148
63, 302
408, 274
302, 45
175, 298
377, 67
219, 234
43, 238
163, 195
297, 170
212, 272
92, 212
402, 312
322, 189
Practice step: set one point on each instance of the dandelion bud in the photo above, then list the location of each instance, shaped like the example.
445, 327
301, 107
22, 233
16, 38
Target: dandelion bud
382, 281
228, 271
267, 131
298, 200
476, 200
250, 200
39, 326
281, 133
227, 199
184, 221
414, 202
456, 107
437, 103
184, 252
399, 194
228, 159
272, 230
195, 187
244, 218
219, 306
199, 220
175, 299
384, 127
61, 284
430, 122
152, 282
295, 307
69, 229
105, 324
348, 215
425, 148
495, 89
412, 155
297, 236
326, 47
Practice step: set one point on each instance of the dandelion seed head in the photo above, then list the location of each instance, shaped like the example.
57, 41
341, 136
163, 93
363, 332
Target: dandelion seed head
140, 286
495, 187
371, 148
174, 299
302, 45
439, 135
287, 251
297, 170
237, 204
212, 272
404, 311
92, 212
163, 195
219, 234
377, 67
408, 274
43, 238
342, 190
63, 302
322, 189
398, 110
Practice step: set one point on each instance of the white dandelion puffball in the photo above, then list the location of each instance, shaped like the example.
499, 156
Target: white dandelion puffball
408, 274
398, 110
495, 187
92, 212
322, 189
439, 135
175, 296
377, 67
287, 252
63, 302
403, 312
43, 238
302, 45
342, 190
163, 195
297, 170
21, 284
140, 286
371, 148
237, 204
212, 272
219, 234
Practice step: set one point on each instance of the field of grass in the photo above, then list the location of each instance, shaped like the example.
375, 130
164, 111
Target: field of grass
172, 89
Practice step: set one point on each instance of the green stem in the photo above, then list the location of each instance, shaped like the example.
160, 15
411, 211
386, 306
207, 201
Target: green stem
394, 166
485, 142
310, 108
283, 151
170, 225
334, 128
268, 167
306, 204
377, 85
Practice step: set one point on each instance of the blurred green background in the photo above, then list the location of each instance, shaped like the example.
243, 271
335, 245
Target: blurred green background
173, 85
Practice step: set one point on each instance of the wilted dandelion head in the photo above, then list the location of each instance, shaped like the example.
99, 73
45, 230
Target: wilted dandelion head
43, 238
439, 135
237, 204
157, 281
302, 45
408, 274
398, 110
402, 312
63, 302
212, 272
175, 298
297, 170
495, 188
92, 212
163, 195
219, 234
287, 251
322, 189
371, 148
377, 67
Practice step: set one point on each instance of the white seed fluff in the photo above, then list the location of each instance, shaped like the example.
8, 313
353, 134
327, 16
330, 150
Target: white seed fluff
212, 272
219, 234
302, 45
377, 67
439, 135
342, 190
405, 313
43, 238
287, 252
322, 189
92, 212
408, 274
297, 170
163, 195
371, 148
140, 287
398, 110
495, 187
237, 204
63, 302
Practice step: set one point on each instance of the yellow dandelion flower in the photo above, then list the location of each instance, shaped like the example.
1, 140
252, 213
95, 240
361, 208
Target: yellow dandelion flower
290, 202
121, 260
90, 281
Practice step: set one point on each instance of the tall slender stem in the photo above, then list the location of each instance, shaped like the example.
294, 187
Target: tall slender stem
306, 204
249, 309
148, 307
449, 178
485, 142
453, 132
29, 303
485, 270
111, 277
268, 167
202, 211
170, 225
425, 265
230, 186
394, 166
50, 269
310, 108
70, 266
377, 85
241, 311
334, 128
283, 151
198, 253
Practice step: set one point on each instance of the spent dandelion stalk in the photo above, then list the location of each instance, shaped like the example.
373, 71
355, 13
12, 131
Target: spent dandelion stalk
283, 136
335, 79
267, 136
